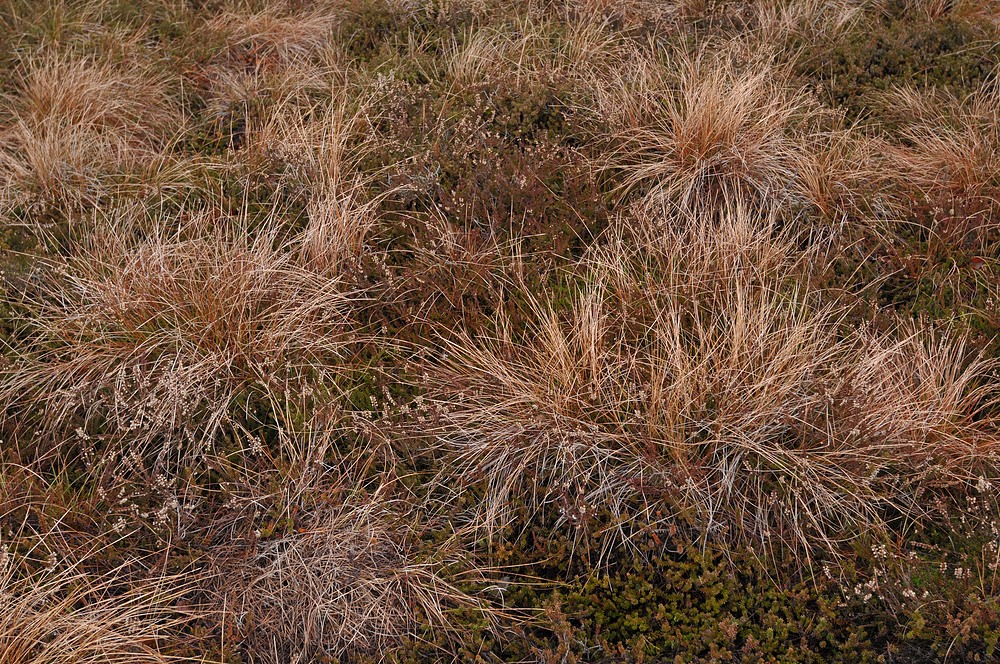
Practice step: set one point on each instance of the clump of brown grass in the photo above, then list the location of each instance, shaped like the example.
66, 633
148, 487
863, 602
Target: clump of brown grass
533, 50
809, 19
348, 582
837, 173
691, 378
67, 616
270, 56
318, 159
150, 349
941, 170
956, 9
687, 129
77, 123
949, 146
279, 34
627, 13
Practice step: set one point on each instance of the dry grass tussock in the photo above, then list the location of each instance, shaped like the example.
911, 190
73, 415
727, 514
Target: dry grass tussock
956, 9
950, 147
838, 173
347, 583
808, 19
534, 50
317, 155
690, 380
694, 128
279, 34
939, 172
276, 54
66, 616
77, 126
151, 348
769, 21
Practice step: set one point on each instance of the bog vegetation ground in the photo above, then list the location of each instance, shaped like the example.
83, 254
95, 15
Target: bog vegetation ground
562, 331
